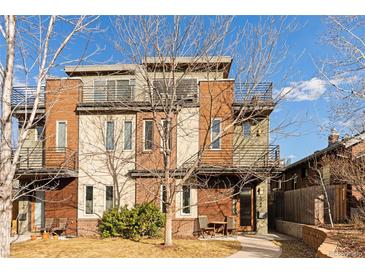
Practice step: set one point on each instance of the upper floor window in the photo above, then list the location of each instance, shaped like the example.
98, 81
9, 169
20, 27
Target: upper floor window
128, 135
109, 194
215, 133
39, 134
186, 200
148, 134
109, 138
166, 132
246, 128
113, 90
61, 135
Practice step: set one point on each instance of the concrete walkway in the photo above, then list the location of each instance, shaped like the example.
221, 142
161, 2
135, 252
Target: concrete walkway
258, 246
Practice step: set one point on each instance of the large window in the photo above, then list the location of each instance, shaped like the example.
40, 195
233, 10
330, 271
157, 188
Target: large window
148, 135
109, 197
186, 200
215, 134
89, 197
109, 138
61, 135
113, 90
166, 131
163, 198
128, 135
246, 127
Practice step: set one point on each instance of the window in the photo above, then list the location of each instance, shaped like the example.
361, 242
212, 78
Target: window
124, 90
128, 135
39, 134
215, 134
246, 127
109, 197
109, 140
148, 135
166, 133
89, 204
99, 90
61, 135
186, 197
163, 195
110, 90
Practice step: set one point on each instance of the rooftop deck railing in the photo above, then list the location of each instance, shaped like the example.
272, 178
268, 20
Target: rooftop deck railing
249, 92
24, 96
33, 158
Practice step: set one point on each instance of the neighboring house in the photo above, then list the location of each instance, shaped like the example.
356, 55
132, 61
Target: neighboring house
96, 147
323, 165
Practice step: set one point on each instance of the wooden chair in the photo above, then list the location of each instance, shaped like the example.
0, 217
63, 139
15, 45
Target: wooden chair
62, 226
48, 225
231, 226
203, 225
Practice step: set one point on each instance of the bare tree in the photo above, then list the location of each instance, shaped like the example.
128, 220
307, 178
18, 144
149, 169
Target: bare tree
170, 50
34, 44
344, 70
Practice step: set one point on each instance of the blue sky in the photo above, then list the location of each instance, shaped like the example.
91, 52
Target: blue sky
306, 107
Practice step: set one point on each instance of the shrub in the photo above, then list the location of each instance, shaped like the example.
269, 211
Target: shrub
142, 220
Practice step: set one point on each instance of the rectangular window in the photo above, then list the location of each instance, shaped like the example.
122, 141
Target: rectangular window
246, 127
166, 133
109, 197
215, 132
163, 195
39, 134
148, 135
109, 140
100, 90
128, 135
61, 135
89, 197
123, 90
186, 197
111, 90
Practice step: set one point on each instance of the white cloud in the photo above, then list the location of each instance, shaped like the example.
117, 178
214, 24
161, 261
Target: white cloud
308, 90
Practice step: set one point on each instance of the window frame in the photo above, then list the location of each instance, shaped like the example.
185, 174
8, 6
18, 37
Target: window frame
220, 132
58, 148
182, 201
106, 135
124, 132
144, 135
105, 200
92, 208
104, 95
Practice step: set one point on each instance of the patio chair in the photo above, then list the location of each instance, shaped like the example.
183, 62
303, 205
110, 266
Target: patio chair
48, 225
231, 226
203, 226
62, 226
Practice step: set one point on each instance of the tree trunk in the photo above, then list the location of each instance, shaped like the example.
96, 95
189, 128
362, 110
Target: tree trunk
6, 170
168, 227
5, 225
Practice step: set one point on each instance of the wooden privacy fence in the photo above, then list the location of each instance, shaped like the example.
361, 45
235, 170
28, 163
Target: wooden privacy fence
308, 206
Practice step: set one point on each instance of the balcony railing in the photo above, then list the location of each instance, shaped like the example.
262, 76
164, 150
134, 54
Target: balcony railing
250, 156
251, 92
102, 94
24, 96
36, 158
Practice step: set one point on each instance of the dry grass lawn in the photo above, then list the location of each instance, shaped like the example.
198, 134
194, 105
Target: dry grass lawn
120, 248
295, 249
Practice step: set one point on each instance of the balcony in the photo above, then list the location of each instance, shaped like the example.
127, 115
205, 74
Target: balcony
22, 99
52, 161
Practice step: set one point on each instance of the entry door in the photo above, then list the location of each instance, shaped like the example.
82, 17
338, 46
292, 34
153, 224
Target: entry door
39, 209
246, 214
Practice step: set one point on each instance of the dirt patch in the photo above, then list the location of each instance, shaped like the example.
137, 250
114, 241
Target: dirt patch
120, 248
295, 249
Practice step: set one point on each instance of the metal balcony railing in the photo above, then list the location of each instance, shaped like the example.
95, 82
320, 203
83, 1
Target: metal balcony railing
33, 158
102, 94
24, 96
251, 92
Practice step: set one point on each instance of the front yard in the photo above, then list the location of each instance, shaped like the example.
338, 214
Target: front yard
120, 248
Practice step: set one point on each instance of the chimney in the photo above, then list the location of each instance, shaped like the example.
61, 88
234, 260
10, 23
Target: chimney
333, 137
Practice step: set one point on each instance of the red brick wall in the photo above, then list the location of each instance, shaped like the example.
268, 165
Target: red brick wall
88, 227
61, 202
214, 203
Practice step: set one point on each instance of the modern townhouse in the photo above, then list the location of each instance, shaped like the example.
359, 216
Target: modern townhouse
97, 146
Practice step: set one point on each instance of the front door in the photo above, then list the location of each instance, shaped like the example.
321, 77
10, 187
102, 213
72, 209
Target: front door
247, 210
39, 210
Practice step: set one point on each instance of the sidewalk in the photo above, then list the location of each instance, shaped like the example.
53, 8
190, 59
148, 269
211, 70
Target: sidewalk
258, 246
